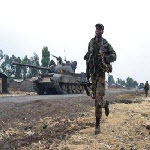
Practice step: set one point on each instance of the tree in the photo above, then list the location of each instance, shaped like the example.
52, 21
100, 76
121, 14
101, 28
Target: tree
120, 81
1, 58
35, 62
18, 73
111, 80
123, 82
25, 60
6, 66
13, 58
131, 83
135, 84
1, 55
45, 58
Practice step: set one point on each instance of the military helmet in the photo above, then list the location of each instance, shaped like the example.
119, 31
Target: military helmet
100, 25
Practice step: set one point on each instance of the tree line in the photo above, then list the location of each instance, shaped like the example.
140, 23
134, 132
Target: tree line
129, 82
22, 72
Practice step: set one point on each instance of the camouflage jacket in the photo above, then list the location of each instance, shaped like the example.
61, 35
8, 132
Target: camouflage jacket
91, 56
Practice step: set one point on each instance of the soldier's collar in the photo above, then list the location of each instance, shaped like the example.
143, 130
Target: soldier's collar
100, 40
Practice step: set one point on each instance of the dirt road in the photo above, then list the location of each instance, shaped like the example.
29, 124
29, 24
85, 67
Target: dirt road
27, 98
67, 122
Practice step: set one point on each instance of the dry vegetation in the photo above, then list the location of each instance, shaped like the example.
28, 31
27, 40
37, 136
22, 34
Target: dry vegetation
124, 128
69, 125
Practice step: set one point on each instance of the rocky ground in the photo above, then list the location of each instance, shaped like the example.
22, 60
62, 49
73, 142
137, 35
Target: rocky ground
69, 124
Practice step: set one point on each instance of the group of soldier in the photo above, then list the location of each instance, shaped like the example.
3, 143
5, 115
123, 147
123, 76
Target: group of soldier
99, 57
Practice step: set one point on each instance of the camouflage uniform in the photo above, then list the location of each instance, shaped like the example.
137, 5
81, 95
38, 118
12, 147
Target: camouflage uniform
97, 72
146, 88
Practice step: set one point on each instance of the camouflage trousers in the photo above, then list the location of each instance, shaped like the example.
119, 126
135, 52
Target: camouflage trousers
146, 93
98, 88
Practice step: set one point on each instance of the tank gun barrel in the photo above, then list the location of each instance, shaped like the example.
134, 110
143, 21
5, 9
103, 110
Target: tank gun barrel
31, 66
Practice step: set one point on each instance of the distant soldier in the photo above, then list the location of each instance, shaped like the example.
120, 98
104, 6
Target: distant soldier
146, 88
98, 58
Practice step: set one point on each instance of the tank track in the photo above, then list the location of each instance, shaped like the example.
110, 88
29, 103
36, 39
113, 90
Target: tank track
59, 88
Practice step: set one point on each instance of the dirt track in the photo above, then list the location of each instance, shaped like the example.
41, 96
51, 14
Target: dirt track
44, 124
20, 97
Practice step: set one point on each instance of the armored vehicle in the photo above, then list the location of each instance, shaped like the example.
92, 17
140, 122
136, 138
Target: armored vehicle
60, 79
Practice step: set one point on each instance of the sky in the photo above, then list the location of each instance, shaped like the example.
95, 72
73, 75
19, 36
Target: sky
26, 26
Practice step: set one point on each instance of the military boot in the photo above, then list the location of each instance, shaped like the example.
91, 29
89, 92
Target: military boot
97, 126
107, 108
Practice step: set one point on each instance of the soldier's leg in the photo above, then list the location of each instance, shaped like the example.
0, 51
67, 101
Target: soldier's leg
94, 84
101, 91
98, 113
100, 103
98, 109
145, 93
98, 106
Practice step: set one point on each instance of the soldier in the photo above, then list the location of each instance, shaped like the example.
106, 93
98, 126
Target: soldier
146, 88
98, 58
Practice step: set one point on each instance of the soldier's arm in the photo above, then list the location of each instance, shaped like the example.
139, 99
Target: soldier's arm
86, 57
87, 54
112, 54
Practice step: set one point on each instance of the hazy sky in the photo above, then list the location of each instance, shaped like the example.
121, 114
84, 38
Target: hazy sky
28, 25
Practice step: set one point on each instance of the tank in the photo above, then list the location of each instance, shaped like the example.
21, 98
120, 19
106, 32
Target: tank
60, 79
